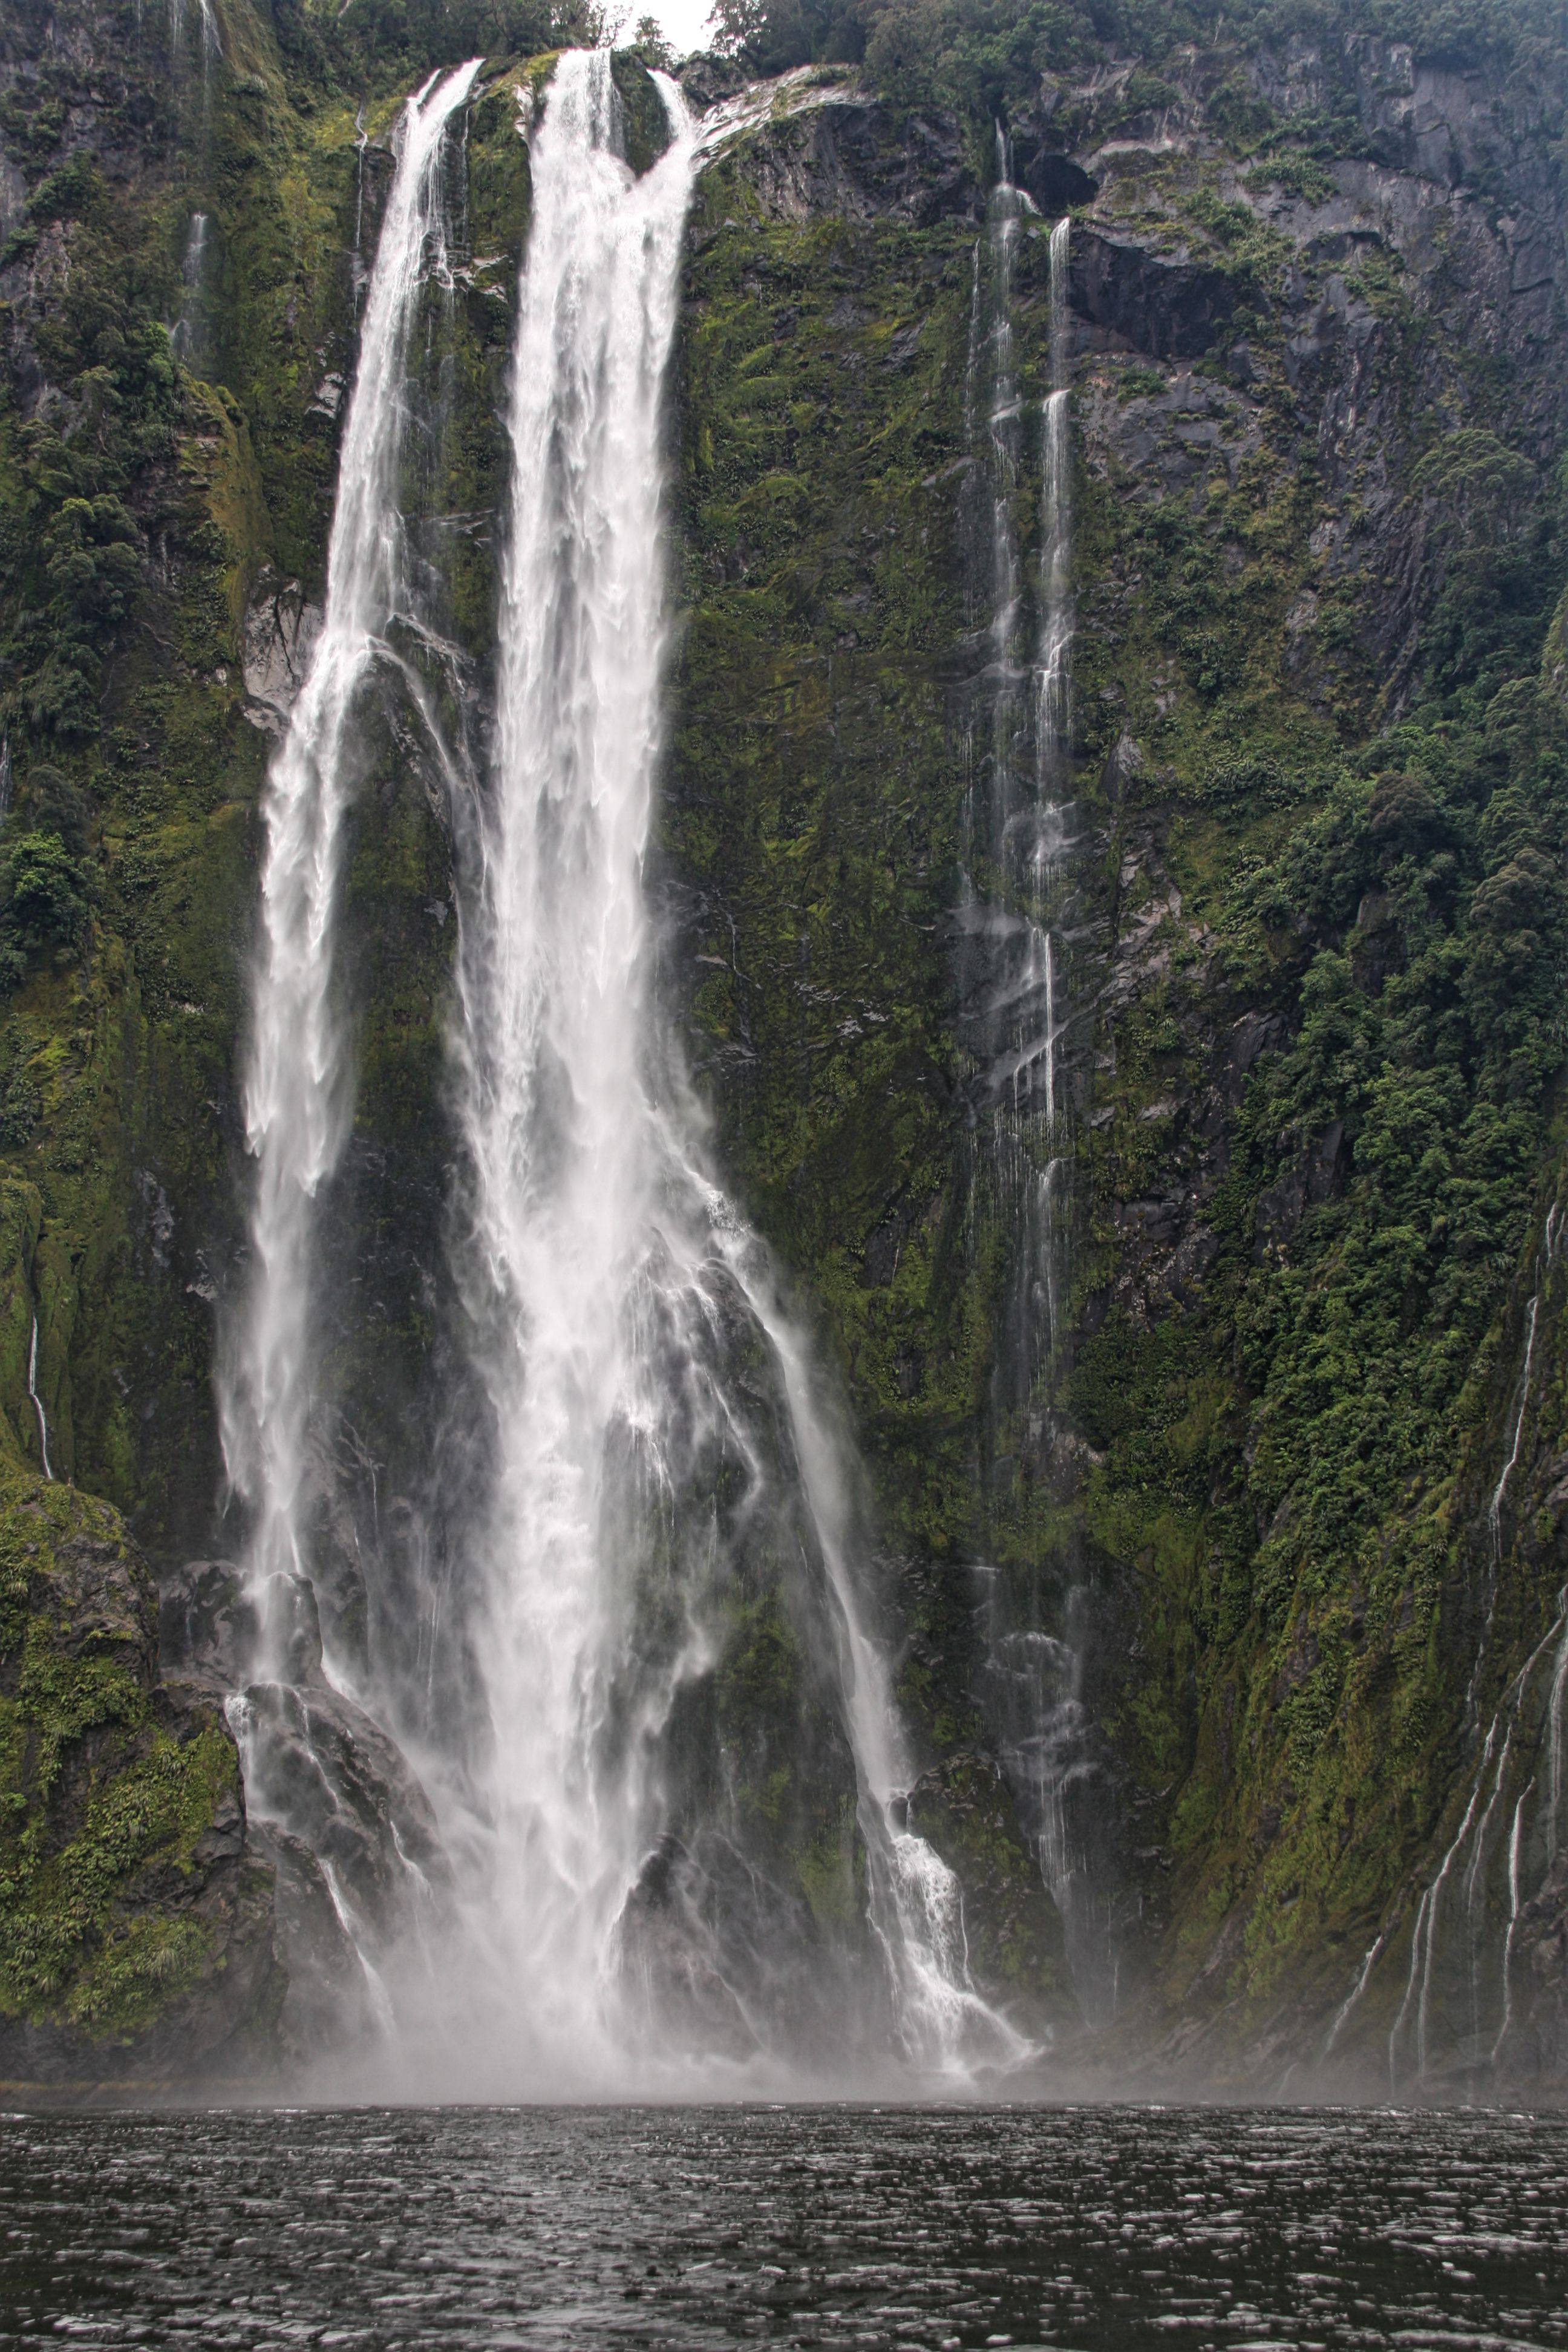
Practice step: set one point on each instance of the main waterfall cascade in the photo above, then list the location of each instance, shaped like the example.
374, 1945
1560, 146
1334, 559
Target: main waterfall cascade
667, 1823
662, 1482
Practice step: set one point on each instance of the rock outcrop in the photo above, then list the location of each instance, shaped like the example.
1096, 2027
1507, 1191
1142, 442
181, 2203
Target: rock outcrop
136, 1919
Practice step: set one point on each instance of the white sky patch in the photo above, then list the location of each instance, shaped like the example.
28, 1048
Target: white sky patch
684, 23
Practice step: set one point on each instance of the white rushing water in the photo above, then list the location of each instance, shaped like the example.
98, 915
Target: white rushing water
298, 1094
186, 335
603, 1266
1053, 720
37, 1401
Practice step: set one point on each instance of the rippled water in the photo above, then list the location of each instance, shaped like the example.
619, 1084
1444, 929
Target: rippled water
574, 2228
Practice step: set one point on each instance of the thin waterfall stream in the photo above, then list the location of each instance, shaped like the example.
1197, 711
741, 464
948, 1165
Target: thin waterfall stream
1018, 902
1454, 2014
297, 1086
302, 1741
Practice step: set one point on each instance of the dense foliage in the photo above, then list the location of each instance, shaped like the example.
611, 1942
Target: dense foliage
989, 55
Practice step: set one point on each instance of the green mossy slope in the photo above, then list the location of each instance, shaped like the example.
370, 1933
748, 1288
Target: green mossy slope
134, 1933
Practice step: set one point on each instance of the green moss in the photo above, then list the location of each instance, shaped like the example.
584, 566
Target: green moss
102, 1794
136, 1974
646, 121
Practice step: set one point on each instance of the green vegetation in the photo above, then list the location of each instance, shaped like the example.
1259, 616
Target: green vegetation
989, 55
104, 1796
1267, 1469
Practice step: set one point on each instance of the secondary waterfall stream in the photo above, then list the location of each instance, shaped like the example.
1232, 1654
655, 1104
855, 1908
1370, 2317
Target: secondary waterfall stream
297, 1087
349, 1827
1016, 909
1451, 2006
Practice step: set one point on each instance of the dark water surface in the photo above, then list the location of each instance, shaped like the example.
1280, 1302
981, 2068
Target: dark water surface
723, 2227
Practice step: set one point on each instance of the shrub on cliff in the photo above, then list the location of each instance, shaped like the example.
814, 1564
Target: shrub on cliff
44, 890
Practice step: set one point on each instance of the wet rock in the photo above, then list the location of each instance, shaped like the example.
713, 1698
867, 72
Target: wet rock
280, 632
135, 1914
865, 160
1538, 2053
339, 1812
1317, 1176
213, 1628
331, 2003
672, 1967
1056, 182
1248, 1039
705, 79
1169, 309
317, 1765
1017, 1953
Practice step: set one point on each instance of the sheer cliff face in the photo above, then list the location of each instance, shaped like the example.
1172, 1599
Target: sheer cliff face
1231, 1613
1308, 1057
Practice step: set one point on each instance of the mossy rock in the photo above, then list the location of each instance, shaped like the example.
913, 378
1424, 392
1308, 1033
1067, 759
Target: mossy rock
645, 116
135, 1928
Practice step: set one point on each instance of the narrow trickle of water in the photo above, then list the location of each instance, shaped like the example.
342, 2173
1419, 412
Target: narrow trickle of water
186, 336
1018, 846
614, 1294
1557, 1736
296, 1085
1516, 1430
1456, 2012
37, 1401
1054, 724
209, 33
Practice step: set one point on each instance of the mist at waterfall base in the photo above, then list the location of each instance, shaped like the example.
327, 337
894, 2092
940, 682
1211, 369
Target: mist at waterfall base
1101, 2228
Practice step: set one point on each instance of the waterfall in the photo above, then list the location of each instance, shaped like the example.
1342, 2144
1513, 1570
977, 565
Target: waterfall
210, 32
1017, 841
186, 336
37, 1401
1011, 974
297, 1086
1494, 1507
624, 1321
1055, 709
1053, 743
